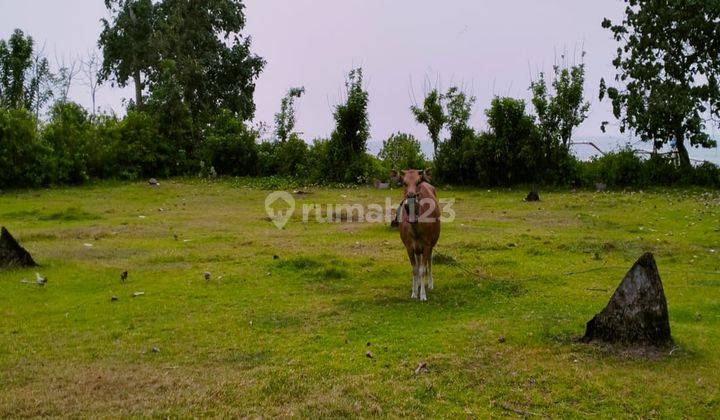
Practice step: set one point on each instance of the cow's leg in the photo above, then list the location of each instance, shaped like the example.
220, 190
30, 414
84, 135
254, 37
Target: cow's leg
429, 271
413, 262
421, 274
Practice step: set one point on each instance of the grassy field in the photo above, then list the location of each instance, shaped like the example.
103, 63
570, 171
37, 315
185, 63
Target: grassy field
285, 324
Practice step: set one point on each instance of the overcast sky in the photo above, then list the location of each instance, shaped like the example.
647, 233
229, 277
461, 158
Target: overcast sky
488, 47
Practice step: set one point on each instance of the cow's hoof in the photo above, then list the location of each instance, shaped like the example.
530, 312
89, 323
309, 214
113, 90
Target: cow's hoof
413, 296
423, 298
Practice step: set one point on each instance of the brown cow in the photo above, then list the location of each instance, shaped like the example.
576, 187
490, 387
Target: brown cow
419, 227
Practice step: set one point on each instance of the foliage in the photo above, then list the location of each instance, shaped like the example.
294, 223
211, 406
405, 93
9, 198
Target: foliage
559, 114
667, 71
285, 119
129, 44
432, 115
292, 157
402, 151
24, 75
348, 142
68, 133
230, 146
211, 60
23, 154
459, 109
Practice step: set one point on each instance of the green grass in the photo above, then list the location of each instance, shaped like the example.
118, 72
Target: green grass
284, 325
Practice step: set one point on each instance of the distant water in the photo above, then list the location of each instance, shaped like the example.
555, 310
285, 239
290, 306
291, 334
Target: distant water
586, 152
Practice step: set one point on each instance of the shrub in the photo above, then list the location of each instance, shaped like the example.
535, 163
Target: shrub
617, 169
23, 155
402, 151
230, 147
292, 157
68, 133
706, 174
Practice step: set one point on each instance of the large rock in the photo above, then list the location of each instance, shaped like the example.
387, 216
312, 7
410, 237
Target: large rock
11, 253
637, 313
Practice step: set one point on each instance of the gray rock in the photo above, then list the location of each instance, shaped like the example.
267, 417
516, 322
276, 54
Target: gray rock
12, 254
637, 313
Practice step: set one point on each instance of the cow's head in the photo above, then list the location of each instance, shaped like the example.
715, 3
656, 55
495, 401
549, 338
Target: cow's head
412, 178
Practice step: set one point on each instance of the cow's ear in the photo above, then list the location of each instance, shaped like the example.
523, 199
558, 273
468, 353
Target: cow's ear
427, 175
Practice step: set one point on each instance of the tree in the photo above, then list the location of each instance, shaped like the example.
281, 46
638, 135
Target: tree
402, 151
285, 119
129, 44
432, 115
667, 71
91, 71
208, 59
16, 56
559, 114
348, 142
459, 109
65, 77
25, 78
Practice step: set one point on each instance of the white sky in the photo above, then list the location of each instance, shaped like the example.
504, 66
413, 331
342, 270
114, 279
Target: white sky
489, 47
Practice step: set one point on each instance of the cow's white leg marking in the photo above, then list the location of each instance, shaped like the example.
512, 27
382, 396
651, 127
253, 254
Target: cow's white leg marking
430, 277
421, 275
416, 277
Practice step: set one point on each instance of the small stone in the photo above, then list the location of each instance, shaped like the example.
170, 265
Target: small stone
155, 350
207, 276
369, 355
275, 257
501, 339
114, 299
138, 294
153, 182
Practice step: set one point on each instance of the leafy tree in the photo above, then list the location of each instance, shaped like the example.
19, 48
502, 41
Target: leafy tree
402, 151
667, 71
559, 114
129, 44
24, 75
459, 110
432, 115
348, 141
285, 119
209, 60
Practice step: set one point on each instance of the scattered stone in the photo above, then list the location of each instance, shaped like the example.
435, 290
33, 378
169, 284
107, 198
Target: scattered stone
275, 257
153, 182
300, 192
422, 367
369, 355
12, 254
501, 339
114, 299
532, 196
600, 187
207, 276
138, 294
123, 276
86, 245
155, 350
637, 312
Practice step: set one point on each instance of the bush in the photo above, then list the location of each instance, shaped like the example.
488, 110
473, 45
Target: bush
230, 147
617, 169
23, 155
68, 133
292, 157
402, 151
706, 174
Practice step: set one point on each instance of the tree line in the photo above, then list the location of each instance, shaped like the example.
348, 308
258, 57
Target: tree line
194, 75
